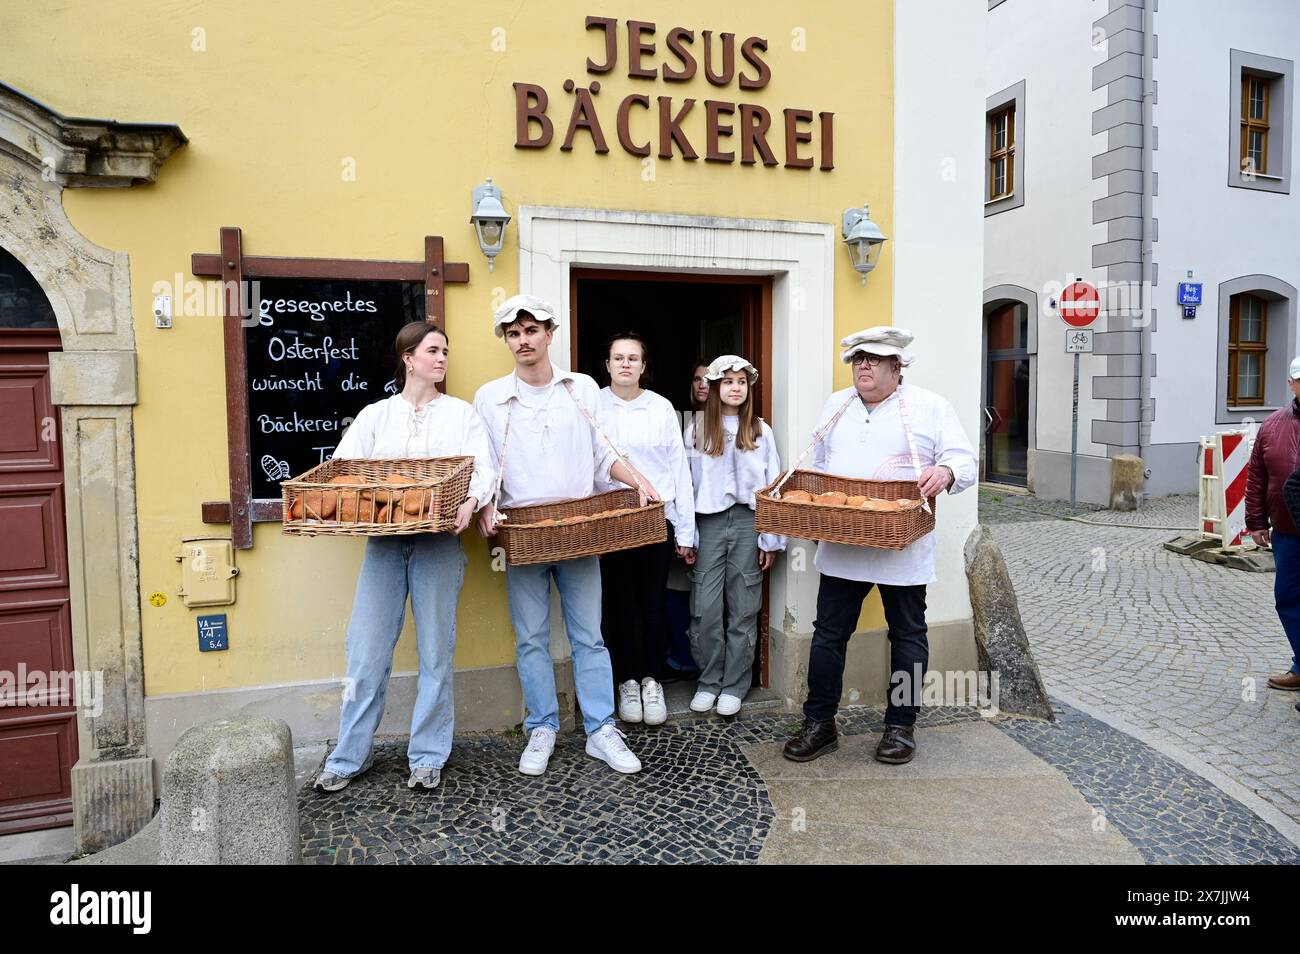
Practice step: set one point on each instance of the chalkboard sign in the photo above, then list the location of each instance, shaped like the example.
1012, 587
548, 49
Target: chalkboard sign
320, 351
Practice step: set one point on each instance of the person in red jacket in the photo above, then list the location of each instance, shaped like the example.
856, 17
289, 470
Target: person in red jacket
1275, 457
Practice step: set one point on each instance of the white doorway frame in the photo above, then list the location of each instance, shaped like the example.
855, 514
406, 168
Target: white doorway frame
798, 255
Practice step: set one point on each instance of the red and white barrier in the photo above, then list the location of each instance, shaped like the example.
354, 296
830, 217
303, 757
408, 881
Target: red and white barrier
1224, 458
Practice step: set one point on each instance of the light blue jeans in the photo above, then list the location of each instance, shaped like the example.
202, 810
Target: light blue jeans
529, 589
430, 567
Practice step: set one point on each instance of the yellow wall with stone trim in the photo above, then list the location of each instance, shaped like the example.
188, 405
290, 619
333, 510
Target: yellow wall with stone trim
279, 98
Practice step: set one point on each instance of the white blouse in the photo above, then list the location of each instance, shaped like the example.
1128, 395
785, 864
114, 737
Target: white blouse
734, 476
445, 427
647, 432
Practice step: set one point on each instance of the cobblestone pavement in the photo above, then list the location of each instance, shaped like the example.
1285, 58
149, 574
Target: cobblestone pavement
700, 800
1169, 814
1175, 648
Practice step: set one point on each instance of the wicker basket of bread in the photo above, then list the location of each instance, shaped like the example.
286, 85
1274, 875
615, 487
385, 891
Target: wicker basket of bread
377, 497
602, 523
863, 513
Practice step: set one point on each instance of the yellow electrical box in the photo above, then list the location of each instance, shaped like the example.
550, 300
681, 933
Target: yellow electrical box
208, 571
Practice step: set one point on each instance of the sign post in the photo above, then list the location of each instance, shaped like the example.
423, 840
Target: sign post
1080, 306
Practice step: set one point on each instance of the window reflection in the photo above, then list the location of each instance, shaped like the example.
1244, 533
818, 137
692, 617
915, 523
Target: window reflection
22, 301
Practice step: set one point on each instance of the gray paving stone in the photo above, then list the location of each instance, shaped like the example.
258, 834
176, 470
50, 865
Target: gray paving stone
1159, 640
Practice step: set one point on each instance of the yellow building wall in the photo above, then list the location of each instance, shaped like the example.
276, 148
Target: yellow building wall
279, 101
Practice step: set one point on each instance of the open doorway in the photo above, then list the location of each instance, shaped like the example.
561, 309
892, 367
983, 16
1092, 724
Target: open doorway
683, 317
1006, 394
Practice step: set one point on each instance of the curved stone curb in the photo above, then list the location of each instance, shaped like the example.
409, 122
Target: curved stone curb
1266, 812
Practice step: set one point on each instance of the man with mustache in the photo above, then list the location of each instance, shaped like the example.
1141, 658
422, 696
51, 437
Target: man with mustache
552, 453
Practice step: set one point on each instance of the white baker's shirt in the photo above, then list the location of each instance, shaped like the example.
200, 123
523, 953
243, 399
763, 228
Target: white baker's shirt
646, 431
553, 453
872, 445
734, 476
445, 427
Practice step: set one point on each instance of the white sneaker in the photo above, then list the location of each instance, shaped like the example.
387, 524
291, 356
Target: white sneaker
427, 777
652, 700
703, 701
728, 705
540, 746
629, 701
607, 744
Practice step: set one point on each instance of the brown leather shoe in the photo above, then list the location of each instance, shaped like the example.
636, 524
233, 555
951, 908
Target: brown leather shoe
1288, 680
897, 745
814, 739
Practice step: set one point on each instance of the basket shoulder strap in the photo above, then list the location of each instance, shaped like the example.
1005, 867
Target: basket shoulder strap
501, 458
906, 418
819, 435
568, 386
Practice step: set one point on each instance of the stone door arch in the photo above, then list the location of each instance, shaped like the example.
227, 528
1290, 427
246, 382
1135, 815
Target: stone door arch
93, 381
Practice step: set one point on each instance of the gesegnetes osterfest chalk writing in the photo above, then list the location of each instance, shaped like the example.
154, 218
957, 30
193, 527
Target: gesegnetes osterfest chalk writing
725, 122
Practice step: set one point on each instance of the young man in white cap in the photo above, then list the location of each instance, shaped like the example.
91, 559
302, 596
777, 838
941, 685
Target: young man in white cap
1273, 459
870, 440
552, 453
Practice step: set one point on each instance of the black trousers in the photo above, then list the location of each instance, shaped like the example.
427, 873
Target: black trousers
839, 603
634, 609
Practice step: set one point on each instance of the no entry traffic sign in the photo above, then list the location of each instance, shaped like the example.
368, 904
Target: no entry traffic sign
1080, 304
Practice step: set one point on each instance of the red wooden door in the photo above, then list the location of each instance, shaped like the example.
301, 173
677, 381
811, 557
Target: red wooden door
38, 723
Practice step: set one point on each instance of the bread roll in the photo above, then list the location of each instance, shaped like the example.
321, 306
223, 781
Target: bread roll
801, 496
833, 497
354, 508
352, 479
319, 504
295, 508
412, 501
855, 500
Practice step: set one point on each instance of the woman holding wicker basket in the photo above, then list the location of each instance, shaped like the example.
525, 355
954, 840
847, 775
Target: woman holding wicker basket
733, 455
417, 422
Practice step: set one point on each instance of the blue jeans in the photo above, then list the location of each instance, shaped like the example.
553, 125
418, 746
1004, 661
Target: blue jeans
430, 567
1286, 589
529, 590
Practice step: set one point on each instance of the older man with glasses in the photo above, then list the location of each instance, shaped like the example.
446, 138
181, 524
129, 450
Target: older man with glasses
889, 432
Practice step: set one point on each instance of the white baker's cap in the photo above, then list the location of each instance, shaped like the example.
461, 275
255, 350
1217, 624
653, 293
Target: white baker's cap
1294, 373
882, 339
508, 313
730, 362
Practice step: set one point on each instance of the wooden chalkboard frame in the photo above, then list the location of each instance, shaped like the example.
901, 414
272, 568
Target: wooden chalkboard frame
241, 511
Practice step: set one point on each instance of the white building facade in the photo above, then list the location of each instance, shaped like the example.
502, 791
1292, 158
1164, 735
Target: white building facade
1137, 147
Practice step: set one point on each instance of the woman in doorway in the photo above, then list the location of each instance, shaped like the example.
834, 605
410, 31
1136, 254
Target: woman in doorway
418, 421
733, 454
699, 394
634, 583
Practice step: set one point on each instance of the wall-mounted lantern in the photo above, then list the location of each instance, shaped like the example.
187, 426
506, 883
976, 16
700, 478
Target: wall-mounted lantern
863, 239
490, 219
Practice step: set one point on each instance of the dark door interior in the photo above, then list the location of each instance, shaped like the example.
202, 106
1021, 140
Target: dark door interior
683, 318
